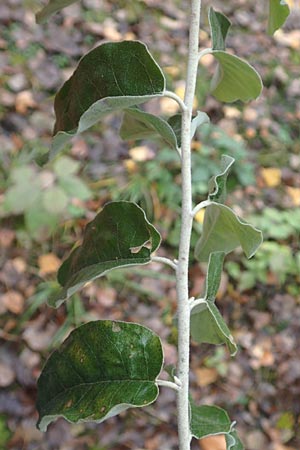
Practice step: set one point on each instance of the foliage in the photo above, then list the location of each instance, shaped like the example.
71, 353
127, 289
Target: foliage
105, 367
45, 198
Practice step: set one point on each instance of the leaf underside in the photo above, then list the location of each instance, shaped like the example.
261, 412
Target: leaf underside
234, 79
207, 324
278, 13
103, 368
224, 231
119, 236
52, 7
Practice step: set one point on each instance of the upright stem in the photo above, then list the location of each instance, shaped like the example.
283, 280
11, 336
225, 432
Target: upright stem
185, 235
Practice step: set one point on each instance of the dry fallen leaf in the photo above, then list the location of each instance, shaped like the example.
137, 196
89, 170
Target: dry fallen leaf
13, 301
199, 217
213, 442
141, 153
7, 375
48, 263
271, 176
294, 194
206, 376
24, 100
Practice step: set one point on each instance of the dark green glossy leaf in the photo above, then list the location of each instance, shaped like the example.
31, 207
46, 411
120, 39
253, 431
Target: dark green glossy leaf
278, 13
212, 420
113, 76
103, 368
219, 27
217, 184
138, 124
223, 231
52, 7
207, 324
234, 79
119, 236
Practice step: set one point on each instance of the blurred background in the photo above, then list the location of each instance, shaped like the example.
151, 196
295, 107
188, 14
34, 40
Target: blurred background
43, 212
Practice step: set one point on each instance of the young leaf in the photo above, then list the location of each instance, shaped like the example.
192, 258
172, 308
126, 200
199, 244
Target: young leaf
113, 76
103, 368
208, 421
217, 184
233, 441
207, 324
211, 421
219, 27
200, 119
234, 79
278, 13
52, 7
119, 236
223, 231
138, 124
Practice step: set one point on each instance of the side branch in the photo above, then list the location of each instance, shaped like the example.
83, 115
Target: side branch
163, 260
168, 384
177, 99
201, 205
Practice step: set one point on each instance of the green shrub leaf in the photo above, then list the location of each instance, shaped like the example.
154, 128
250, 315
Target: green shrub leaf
138, 124
113, 76
234, 79
103, 368
219, 27
211, 421
119, 236
224, 231
278, 13
52, 7
207, 324
217, 184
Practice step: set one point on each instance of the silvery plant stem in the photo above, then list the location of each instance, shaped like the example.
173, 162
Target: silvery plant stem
186, 229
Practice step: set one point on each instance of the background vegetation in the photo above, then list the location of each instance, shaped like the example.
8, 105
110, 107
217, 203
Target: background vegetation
43, 211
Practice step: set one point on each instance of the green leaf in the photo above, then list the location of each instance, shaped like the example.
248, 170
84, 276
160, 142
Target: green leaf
213, 277
234, 79
200, 119
211, 421
55, 200
278, 13
217, 184
175, 123
52, 7
119, 236
113, 76
103, 368
208, 421
138, 124
233, 441
219, 27
223, 231
75, 188
207, 324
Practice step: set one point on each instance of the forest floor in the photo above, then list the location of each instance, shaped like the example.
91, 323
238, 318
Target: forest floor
41, 218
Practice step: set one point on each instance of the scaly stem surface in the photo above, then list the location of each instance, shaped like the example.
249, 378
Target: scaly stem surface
185, 235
